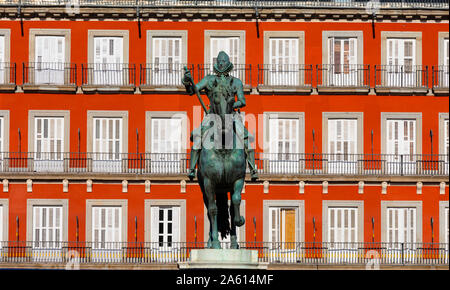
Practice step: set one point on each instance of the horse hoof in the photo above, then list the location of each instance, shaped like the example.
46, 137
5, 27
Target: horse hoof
216, 245
234, 246
239, 222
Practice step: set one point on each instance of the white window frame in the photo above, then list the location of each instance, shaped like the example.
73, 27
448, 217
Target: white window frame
4, 133
385, 205
49, 71
4, 70
51, 226
170, 231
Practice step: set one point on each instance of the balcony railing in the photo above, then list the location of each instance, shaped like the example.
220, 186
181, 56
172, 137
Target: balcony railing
267, 163
235, 3
441, 76
7, 73
343, 75
49, 73
401, 76
326, 253
163, 74
108, 74
353, 164
285, 75
240, 71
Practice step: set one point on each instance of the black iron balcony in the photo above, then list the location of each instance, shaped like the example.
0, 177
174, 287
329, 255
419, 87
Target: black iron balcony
401, 79
267, 163
240, 71
49, 76
285, 78
7, 77
313, 253
163, 76
343, 78
108, 77
440, 78
233, 3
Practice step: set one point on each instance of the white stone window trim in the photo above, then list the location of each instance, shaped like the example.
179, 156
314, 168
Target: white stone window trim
4, 203
149, 115
442, 36
417, 35
283, 115
49, 32
64, 203
401, 116
299, 205
32, 114
358, 34
225, 33
183, 34
385, 204
125, 34
359, 116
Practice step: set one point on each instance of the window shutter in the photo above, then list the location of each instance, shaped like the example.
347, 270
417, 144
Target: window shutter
176, 224
446, 136
353, 51
274, 224
166, 135
107, 135
446, 226
2, 50
401, 225
154, 212
230, 45
342, 225
401, 137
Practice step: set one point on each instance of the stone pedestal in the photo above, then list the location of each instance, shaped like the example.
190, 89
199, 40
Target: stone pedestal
223, 259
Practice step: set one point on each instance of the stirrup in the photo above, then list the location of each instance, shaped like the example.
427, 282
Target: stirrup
191, 174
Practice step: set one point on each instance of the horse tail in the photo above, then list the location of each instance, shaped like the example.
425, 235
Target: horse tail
222, 213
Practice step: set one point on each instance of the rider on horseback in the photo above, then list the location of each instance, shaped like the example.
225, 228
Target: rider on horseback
234, 86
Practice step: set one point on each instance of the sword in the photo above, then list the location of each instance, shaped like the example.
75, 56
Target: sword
195, 89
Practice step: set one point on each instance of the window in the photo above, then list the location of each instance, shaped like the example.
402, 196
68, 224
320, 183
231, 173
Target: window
166, 60
2, 239
2, 135
107, 233
165, 226
107, 139
444, 141
401, 137
446, 228
3, 223
343, 229
342, 143
401, 145
108, 61
284, 63
282, 226
444, 223
49, 59
49, 143
284, 144
342, 225
283, 229
47, 227
166, 144
401, 62
343, 61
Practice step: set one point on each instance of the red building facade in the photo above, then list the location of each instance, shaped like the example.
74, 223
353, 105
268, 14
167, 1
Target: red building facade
349, 109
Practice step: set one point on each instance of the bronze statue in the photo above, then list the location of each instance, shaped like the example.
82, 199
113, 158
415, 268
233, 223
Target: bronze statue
221, 149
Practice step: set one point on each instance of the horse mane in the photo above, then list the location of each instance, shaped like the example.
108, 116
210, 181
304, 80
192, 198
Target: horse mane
223, 222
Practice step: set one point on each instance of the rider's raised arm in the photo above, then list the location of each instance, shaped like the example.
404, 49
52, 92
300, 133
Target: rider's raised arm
199, 86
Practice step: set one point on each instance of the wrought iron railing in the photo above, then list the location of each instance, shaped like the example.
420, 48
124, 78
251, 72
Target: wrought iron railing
267, 163
440, 76
286, 75
163, 74
401, 76
108, 74
437, 4
317, 253
7, 73
343, 75
49, 73
240, 71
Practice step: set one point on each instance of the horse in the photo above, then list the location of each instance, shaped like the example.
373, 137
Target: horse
221, 171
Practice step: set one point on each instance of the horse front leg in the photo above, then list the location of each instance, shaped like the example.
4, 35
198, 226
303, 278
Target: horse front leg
236, 202
233, 236
212, 214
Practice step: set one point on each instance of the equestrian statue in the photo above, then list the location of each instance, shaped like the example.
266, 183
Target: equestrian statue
221, 149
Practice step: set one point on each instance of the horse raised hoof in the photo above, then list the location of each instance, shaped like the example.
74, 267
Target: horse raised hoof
239, 221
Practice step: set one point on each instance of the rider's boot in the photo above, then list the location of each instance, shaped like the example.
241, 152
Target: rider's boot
192, 162
251, 163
